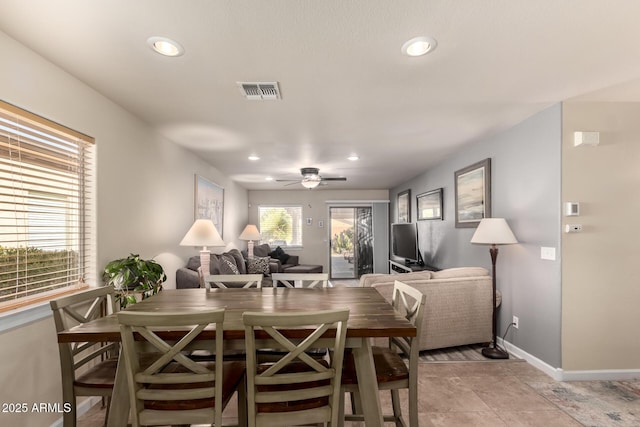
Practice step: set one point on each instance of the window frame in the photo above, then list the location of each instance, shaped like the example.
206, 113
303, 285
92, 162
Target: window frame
26, 162
294, 246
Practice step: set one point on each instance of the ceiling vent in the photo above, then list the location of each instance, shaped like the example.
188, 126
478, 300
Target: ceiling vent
256, 91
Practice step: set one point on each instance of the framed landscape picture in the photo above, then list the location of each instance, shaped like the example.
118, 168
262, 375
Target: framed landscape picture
430, 205
404, 206
209, 202
473, 194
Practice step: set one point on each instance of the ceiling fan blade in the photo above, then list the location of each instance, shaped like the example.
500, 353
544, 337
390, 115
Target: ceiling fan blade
334, 179
287, 180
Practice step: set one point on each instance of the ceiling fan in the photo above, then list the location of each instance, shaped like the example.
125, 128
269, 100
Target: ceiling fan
311, 178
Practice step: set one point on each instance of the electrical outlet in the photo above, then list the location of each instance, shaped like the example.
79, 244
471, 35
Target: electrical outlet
516, 322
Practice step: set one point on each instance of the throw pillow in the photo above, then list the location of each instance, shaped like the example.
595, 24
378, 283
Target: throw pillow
258, 265
239, 260
228, 267
278, 253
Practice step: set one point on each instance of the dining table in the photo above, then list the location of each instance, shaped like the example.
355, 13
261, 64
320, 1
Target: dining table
370, 316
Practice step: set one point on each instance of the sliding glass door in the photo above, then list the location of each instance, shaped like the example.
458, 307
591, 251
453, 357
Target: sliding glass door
351, 248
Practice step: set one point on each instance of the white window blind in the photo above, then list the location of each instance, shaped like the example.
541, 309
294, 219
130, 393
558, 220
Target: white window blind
281, 225
46, 237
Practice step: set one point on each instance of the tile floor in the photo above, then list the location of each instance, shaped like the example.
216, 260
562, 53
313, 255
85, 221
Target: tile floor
479, 394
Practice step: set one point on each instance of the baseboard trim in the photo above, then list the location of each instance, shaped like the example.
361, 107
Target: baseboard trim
83, 407
560, 374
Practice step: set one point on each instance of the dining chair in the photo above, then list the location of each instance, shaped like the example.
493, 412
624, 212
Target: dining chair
307, 280
172, 388
88, 369
297, 389
222, 280
392, 373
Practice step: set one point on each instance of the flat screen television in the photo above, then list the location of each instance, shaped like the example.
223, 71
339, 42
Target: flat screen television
404, 242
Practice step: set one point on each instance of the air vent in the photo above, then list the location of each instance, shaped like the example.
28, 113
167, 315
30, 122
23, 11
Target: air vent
256, 91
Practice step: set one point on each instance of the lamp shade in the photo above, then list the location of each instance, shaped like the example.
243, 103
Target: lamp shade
250, 232
202, 233
493, 231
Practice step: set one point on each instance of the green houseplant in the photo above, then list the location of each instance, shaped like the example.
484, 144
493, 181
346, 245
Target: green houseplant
133, 276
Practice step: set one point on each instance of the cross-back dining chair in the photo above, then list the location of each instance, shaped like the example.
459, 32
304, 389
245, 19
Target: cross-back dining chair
223, 280
307, 280
88, 369
297, 389
392, 373
168, 387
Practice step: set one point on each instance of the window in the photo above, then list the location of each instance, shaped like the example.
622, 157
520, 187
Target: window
281, 225
45, 193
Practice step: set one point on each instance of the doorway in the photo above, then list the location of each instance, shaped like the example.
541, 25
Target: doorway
351, 242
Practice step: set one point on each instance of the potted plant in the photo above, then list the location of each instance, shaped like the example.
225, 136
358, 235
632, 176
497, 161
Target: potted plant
133, 276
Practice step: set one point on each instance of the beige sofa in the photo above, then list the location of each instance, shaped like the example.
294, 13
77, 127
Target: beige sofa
458, 307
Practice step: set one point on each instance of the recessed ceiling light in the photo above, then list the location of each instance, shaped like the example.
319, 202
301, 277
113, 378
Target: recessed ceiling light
268, 178
418, 46
253, 158
353, 158
165, 46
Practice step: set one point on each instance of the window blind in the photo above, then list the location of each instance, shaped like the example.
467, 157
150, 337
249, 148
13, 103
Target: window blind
46, 182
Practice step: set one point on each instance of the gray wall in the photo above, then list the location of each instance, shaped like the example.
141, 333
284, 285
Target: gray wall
526, 167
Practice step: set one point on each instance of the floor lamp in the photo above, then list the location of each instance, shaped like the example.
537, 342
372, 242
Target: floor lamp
203, 233
494, 231
250, 233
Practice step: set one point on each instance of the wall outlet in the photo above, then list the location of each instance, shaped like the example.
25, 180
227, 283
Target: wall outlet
516, 322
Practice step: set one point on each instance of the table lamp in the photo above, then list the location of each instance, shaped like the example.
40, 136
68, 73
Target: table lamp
250, 233
203, 233
494, 231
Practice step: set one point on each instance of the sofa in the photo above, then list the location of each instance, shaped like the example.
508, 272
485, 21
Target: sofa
235, 262
458, 307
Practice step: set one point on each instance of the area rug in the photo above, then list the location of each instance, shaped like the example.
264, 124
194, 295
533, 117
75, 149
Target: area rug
465, 353
595, 403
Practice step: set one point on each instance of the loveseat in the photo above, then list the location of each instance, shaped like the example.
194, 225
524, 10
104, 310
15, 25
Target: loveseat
458, 307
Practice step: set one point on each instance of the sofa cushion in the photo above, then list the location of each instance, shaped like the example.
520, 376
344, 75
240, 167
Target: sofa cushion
193, 263
261, 250
450, 273
258, 265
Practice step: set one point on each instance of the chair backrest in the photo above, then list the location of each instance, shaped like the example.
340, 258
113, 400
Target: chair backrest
168, 387
222, 280
307, 280
410, 303
72, 310
296, 389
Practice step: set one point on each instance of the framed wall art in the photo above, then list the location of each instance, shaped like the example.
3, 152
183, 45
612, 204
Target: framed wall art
404, 206
209, 202
429, 205
473, 194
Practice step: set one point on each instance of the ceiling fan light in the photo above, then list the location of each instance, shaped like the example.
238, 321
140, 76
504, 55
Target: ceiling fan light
310, 183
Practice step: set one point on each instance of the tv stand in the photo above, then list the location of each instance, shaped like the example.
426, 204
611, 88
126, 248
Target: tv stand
396, 267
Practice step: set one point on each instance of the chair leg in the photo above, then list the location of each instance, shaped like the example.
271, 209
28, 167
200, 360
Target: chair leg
242, 404
341, 410
397, 408
106, 412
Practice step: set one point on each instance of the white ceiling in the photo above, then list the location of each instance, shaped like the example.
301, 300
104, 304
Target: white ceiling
346, 87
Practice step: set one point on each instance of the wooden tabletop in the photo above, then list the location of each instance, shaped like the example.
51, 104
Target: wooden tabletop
370, 314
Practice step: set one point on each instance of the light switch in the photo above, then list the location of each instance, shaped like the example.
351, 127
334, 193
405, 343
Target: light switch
548, 253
